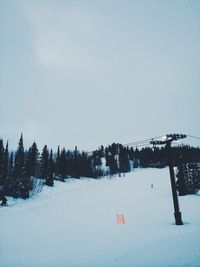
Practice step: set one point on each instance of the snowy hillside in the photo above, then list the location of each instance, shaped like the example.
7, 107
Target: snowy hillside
74, 224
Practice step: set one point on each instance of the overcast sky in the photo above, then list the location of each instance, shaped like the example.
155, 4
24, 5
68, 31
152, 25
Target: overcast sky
88, 73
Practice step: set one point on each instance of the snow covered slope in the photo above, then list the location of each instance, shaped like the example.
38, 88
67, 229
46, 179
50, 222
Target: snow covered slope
74, 224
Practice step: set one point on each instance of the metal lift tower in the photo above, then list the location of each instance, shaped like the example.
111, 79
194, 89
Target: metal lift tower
169, 139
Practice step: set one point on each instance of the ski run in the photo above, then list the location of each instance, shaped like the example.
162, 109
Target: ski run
76, 224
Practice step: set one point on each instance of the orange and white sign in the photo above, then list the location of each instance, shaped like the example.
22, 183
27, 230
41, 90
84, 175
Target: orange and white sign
120, 219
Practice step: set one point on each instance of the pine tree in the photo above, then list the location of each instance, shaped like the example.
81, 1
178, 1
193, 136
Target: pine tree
1, 166
5, 171
57, 162
85, 165
188, 178
197, 176
96, 163
124, 165
76, 172
11, 182
22, 182
69, 163
181, 182
112, 163
49, 179
192, 179
45, 163
63, 164
32, 161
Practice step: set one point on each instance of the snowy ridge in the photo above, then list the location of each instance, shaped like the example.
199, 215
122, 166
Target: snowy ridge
74, 224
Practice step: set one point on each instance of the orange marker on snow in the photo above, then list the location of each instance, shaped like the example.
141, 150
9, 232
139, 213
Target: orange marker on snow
120, 219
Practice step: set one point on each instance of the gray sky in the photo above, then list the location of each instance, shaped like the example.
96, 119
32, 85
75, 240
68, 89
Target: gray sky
88, 73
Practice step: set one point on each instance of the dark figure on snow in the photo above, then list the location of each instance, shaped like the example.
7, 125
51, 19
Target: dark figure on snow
3, 199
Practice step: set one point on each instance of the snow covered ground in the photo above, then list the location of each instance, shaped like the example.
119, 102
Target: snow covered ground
74, 224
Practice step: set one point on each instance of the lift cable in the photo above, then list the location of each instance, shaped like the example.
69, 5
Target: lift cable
147, 142
192, 136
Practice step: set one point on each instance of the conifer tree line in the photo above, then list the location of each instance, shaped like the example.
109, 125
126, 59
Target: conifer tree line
19, 168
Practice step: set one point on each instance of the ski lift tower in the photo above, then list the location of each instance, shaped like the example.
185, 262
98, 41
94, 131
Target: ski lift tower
169, 138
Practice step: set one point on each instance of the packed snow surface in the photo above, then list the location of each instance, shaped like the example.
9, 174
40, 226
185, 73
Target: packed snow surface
74, 224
